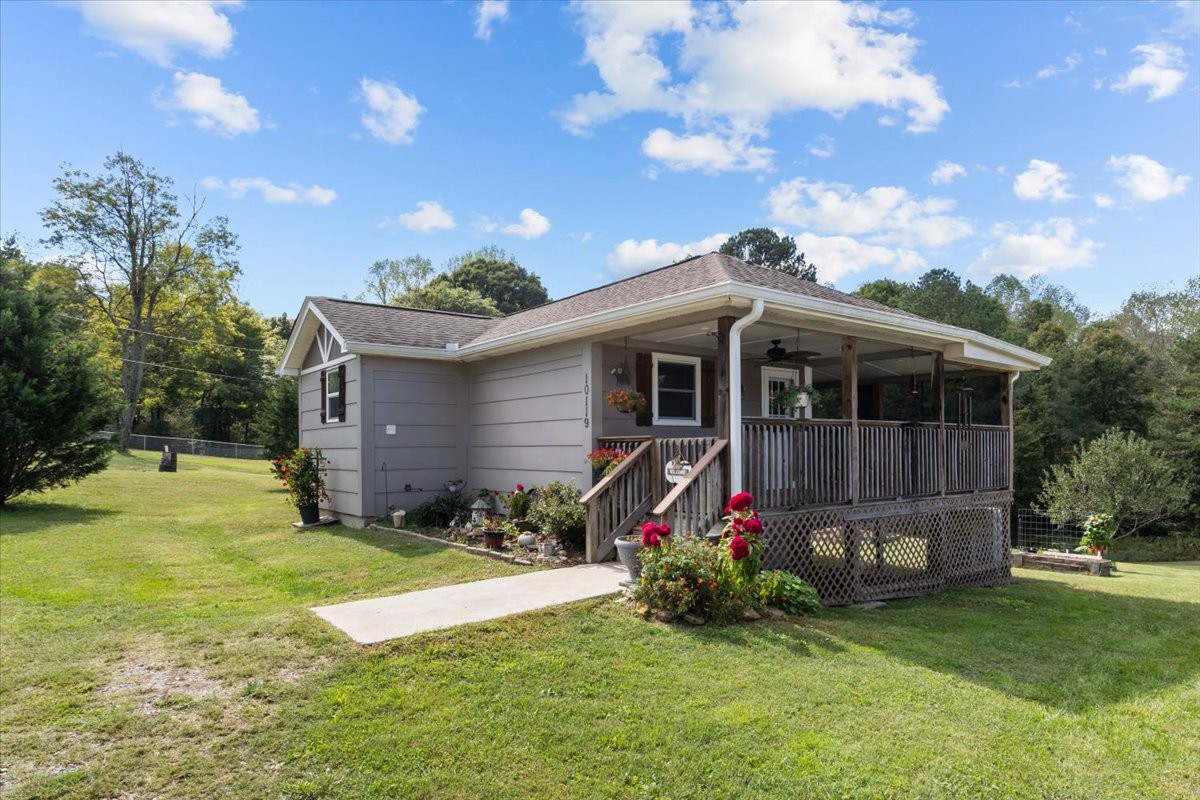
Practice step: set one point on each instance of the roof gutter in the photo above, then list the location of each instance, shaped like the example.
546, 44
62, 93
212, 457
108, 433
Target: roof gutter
735, 393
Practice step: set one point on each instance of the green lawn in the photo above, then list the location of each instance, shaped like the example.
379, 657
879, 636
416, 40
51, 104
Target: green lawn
155, 642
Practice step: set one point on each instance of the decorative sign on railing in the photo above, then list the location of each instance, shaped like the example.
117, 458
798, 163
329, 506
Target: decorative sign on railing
677, 469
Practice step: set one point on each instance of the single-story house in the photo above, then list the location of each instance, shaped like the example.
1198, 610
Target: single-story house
898, 483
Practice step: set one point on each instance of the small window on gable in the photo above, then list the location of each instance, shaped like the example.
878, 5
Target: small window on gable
333, 395
676, 381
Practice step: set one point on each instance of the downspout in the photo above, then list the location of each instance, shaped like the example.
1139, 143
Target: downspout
735, 393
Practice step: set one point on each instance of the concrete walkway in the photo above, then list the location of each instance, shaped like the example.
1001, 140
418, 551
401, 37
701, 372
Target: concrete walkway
383, 618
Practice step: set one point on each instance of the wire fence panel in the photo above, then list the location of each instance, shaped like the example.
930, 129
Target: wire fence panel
196, 447
1036, 531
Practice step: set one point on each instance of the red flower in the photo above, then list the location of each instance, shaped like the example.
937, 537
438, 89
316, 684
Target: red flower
753, 525
738, 549
650, 538
737, 524
663, 530
520, 487
648, 528
741, 501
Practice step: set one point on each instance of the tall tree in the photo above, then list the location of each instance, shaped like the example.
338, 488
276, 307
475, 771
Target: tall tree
496, 275
766, 248
51, 401
941, 295
130, 244
390, 278
443, 297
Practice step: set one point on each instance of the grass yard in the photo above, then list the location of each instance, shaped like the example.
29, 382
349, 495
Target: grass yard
155, 642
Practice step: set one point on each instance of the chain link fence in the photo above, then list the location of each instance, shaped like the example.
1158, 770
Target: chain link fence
1036, 531
196, 447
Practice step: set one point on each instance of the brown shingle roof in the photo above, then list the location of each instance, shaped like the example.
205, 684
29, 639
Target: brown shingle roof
379, 324
693, 273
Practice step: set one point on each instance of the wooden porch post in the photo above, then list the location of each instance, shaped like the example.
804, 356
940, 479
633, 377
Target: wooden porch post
724, 421
1006, 418
939, 416
850, 408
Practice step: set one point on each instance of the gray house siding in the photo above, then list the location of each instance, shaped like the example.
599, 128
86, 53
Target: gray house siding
339, 441
527, 416
426, 402
613, 422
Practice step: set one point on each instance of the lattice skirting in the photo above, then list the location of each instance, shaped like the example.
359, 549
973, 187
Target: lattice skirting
889, 550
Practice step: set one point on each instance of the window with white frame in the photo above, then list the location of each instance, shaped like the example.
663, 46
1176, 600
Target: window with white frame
676, 398
333, 395
775, 380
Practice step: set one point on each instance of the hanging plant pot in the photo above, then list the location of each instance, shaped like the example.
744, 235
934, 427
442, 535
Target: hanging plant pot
310, 513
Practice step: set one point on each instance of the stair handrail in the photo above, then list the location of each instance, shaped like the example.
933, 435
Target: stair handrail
697, 471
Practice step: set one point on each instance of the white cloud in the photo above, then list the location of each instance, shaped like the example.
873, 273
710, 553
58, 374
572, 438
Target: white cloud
1043, 180
391, 115
839, 256
429, 216
1161, 71
1050, 246
1103, 200
1069, 64
1145, 179
822, 146
271, 193
158, 29
889, 214
708, 152
827, 56
213, 107
487, 13
632, 256
946, 172
531, 226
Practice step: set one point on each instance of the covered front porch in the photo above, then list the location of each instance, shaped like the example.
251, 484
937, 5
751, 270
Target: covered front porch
894, 479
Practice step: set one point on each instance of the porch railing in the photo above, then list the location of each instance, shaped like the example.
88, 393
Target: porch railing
694, 505
690, 448
619, 501
797, 463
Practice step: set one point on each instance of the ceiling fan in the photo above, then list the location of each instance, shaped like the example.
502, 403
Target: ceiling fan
778, 354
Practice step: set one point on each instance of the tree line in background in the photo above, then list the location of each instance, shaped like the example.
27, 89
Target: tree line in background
147, 285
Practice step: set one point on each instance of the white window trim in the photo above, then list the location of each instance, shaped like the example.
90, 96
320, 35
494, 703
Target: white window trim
694, 362
331, 412
776, 372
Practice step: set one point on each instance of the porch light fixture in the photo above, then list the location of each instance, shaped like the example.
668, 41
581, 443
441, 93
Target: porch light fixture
621, 371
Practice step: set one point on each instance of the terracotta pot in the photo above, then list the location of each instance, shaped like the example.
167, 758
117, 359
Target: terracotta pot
1098, 549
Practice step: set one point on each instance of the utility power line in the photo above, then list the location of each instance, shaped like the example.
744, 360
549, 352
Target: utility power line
166, 336
197, 371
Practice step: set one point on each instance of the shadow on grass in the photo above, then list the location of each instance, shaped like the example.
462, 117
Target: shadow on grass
394, 543
30, 516
1043, 641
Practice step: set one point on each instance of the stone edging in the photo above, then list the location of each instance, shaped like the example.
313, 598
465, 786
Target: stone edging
477, 551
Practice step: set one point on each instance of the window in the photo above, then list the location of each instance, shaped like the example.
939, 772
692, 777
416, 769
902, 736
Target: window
676, 390
773, 380
333, 394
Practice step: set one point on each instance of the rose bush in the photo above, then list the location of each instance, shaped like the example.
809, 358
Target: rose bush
302, 473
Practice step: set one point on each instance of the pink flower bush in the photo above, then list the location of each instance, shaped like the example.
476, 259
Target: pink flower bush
738, 548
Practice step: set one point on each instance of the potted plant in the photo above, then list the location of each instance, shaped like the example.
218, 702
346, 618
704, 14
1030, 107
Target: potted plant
1098, 532
605, 459
493, 534
629, 547
793, 397
518, 503
302, 473
627, 401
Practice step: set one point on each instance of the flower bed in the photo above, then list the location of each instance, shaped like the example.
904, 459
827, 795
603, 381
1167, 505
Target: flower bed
686, 577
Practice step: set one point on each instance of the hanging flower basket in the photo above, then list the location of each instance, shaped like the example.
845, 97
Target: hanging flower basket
626, 401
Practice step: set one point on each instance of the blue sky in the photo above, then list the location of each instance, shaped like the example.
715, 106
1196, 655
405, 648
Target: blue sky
595, 141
